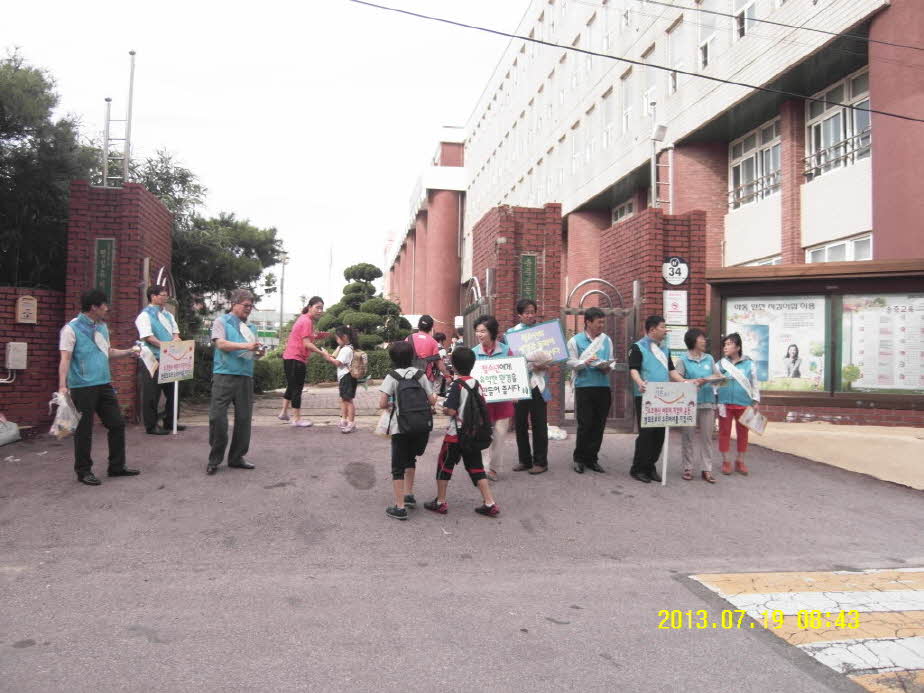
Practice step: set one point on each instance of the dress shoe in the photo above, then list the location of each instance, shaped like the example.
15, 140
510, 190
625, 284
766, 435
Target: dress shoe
158, 431
578, 467
89, 479
640, 476
654, 476
538, 469
169, 428
124, 471
242, 465
595, 467
211, 469
522, 467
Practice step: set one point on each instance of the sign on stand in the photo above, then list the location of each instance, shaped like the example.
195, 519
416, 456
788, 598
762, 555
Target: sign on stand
668, 404
177, 362
503, 379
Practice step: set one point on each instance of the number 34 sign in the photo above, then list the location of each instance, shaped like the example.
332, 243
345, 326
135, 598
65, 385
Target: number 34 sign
675, 270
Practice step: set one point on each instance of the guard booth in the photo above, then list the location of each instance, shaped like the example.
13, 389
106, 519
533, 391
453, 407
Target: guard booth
620, 326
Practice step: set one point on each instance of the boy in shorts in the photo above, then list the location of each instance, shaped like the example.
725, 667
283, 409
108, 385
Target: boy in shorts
463, 360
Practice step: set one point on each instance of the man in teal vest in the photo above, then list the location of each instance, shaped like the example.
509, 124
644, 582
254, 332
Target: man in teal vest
590, 357
236, 348
649, 362
156, 325
83, 373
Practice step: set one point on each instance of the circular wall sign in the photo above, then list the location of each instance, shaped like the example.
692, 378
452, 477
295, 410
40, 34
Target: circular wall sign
675, 270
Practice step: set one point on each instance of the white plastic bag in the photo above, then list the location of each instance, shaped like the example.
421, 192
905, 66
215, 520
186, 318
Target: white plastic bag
9, 432
556, 433
381, 428
67, 417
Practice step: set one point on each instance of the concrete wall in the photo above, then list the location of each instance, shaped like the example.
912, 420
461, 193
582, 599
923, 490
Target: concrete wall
753, 231
837, 204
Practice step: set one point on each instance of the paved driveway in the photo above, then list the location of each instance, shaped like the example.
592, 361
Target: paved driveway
290, 577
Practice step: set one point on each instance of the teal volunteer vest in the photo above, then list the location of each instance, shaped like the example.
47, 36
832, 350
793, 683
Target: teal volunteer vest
700, 369
653, 371
89, 365
231, 362
592, 377
161, 333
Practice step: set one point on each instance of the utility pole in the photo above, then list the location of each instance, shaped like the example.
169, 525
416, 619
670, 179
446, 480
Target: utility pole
282, 288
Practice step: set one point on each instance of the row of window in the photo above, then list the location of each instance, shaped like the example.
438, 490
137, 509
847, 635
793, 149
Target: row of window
844, 250
837, 134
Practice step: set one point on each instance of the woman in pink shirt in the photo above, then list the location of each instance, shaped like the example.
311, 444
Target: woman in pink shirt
295, 360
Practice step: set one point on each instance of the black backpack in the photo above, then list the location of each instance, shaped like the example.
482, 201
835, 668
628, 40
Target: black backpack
414, 413
475, 431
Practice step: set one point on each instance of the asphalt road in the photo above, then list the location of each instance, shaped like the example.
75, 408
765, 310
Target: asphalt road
290, 577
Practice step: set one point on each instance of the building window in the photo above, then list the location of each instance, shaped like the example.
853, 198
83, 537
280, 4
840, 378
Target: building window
609, 123
676, 47
775, 260
625, 89
846, 250
744, 17
707, 29
754, 165
837, 135
650, 93
623, 211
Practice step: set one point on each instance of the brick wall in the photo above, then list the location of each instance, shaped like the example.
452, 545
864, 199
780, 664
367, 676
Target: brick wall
701, 182
499, 238
584, 229
25, 401
142, 228
844, 415
792, 169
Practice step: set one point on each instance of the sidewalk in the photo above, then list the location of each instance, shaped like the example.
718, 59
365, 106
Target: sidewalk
890, 453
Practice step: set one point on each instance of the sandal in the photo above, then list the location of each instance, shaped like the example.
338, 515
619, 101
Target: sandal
491, 474
707, 476
687, 474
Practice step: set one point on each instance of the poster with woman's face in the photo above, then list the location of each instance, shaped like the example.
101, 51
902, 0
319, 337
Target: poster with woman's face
784, 336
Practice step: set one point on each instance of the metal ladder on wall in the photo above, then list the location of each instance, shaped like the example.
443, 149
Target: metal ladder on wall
115, 164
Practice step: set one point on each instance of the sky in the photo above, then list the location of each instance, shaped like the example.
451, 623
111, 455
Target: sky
315, 118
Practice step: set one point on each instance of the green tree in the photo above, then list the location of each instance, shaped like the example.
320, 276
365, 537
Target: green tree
211, 256
39, 157
375, 318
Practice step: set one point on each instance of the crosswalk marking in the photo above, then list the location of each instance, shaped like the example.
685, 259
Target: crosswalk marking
884, 653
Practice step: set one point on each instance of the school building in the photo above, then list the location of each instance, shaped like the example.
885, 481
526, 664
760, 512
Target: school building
769, 147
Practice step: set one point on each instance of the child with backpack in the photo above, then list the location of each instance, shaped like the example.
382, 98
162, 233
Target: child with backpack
407, 393
346, 359
468, 433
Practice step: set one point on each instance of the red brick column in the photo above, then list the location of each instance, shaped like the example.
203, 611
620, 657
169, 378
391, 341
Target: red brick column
142, 228
701, 182
897, 85
421, 255
584, 230
441, 285
411, 268
792, 168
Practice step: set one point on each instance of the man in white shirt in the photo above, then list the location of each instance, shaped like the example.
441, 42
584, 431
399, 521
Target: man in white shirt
156, 325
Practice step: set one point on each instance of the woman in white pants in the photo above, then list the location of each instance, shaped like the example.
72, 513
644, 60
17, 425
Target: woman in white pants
500, 412
696, 364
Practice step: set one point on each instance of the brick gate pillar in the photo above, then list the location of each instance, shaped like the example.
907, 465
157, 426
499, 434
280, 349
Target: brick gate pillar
111, 232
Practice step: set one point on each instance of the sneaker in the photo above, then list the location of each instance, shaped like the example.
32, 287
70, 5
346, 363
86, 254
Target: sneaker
490, 511
282, 417
396, 513
301, 423
437, 507
348, 427
410, 501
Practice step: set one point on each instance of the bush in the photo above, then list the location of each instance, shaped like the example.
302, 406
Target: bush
268, 374
320, 371
380, 306
359, 288
199, 387
369, 341
379, 363
363, 322
335, 309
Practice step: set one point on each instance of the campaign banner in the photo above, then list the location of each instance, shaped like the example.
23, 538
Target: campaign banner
177, 360
669, 404
503, 379
543, 338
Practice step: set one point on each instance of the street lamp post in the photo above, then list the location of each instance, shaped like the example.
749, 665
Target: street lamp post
282, 287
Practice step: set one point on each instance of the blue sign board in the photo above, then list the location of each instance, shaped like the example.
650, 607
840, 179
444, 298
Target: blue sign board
546, 337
